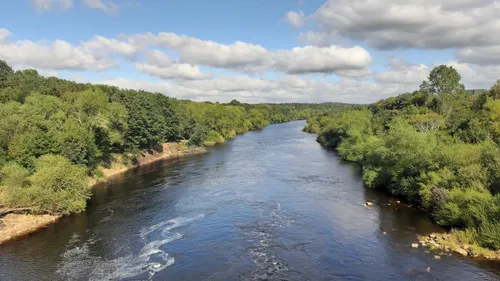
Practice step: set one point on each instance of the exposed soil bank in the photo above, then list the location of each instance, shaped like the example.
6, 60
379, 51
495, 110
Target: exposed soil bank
16, 225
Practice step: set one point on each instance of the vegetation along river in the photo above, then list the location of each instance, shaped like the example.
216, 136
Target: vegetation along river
268, 205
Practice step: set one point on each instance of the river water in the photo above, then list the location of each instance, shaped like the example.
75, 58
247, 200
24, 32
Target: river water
268, 205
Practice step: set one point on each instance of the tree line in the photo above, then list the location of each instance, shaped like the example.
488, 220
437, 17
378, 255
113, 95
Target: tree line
54, 133
436, 147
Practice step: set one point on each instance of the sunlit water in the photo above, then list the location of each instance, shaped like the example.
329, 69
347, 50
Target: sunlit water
269, 205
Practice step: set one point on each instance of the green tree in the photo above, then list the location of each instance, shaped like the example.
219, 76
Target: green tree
5, 71
443, 79
61, 187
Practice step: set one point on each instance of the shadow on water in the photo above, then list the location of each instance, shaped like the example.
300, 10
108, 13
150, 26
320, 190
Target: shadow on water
268, 205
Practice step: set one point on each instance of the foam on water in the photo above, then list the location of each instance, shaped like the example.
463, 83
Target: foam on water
79, 261
167, 225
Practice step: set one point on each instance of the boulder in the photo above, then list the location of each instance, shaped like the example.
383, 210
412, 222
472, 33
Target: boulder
414, 245
461, 251
369, 203
433, 243
436, 257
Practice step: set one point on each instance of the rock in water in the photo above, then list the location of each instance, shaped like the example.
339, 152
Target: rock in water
414, 245
436, 257
428, 269
369, 203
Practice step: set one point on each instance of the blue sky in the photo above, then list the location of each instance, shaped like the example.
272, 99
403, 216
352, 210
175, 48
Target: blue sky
289, 50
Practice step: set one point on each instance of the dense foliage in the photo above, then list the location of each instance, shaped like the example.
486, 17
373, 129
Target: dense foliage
55, 133
436, 147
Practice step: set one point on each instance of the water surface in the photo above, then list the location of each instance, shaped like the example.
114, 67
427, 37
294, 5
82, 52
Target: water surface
268, 205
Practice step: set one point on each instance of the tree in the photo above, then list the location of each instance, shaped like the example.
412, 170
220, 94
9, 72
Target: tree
443, 79
60, 186
495, 90
5, 70
235, 102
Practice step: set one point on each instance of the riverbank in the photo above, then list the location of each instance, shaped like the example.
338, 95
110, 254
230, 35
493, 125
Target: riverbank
455, 206
15, 225
457, 241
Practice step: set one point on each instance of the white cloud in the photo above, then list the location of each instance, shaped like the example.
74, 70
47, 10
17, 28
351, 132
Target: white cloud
48, 73
105, 46
409, 76
48, 5
320, 39
162, 66
251, 58
174, 71
106, 6
4, 33
287, 88
477, 76
403, 72
334, 59
239, 55
57, 54
295, 19
426, 24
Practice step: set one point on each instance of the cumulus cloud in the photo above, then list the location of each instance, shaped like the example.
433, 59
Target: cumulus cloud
48, 5
409, 76
239, 55
310, 59
48, 73
106, 6
105, 46
476, 76
160, 65
100, 53
320, 39
286, 88
251, 58
175, 71
403, 72
426, 24
295, 19
58, 54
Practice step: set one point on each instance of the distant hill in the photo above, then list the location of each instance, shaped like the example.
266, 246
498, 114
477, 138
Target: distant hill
475, 91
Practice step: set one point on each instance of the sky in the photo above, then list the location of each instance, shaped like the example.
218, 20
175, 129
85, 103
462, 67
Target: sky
255, 51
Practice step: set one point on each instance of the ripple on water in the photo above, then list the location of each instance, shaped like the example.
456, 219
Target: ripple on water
265, 240
78, 260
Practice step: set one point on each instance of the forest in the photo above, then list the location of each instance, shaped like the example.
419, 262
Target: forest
54, 133
436, 147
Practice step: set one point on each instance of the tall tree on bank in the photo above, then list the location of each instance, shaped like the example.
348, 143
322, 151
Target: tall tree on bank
443, 79
5, 70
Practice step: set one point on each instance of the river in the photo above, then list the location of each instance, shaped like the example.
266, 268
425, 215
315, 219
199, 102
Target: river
267, 205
